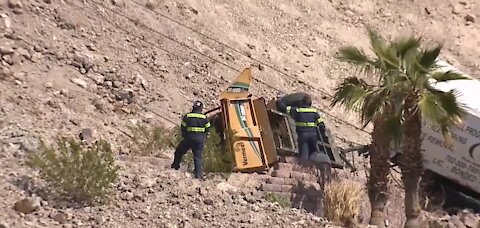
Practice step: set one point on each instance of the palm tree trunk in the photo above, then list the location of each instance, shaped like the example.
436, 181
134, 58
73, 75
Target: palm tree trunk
378, 176
411, 162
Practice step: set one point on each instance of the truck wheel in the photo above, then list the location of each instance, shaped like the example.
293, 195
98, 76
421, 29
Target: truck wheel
294, 99
433, 195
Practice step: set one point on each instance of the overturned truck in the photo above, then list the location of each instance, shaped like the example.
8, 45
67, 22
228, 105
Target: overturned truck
256, 132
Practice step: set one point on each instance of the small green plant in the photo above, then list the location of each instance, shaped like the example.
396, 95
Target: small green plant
216, 159
149, 141
73, 172
281, 200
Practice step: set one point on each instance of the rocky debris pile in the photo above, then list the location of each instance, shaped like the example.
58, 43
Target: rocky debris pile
464, 219
182, 201
151, 195
298, 183
13, 55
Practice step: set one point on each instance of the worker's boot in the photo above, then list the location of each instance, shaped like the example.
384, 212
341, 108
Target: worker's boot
198, 176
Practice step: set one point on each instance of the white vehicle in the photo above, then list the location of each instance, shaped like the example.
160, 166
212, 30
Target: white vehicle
459, 162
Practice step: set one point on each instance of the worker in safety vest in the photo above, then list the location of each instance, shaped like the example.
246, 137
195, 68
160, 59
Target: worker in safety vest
194, 128
307, 119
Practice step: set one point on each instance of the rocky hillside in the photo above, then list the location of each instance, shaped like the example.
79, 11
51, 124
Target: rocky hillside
69, 65
150, 195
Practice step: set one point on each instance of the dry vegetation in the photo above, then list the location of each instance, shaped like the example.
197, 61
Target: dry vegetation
342, 201
281, 200
150, 140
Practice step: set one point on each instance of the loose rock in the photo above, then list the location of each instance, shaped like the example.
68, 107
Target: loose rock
83, 60
60, 217
79, 82
15, 4
470, 18
120, 3
27, 205
4, 50
87, 135
23, 52
456, 10
6, 72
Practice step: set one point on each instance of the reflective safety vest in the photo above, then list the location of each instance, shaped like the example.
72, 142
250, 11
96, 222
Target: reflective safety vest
306, 118
194, 124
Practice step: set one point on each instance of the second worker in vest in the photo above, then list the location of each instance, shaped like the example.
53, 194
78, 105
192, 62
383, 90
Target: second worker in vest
194, 128
307, 119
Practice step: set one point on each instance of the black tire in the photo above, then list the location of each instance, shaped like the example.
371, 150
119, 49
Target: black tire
294, 99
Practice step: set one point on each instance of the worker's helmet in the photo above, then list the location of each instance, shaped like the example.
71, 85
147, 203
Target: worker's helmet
197, 106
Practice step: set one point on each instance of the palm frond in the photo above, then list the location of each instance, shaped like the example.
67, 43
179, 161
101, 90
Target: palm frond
404, 45
447, 76
357, 57
428, 104
445, 130
353, 55
414, 72
448, 102
393, 127
441, 108
429, 56
351, 93
373, 105
380, 47
376, 41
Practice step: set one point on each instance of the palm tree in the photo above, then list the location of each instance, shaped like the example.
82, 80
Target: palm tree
396, 105
374, 106
422, 102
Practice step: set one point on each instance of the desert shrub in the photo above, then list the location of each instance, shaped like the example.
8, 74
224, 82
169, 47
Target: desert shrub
281, 200
342, 201
73, 172
176, 136
216, 158
149, 141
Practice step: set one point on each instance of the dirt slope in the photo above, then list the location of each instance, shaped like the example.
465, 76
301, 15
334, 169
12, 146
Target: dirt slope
68, 65
125, 45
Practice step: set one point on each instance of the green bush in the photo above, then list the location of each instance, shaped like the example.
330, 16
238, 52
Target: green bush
73, 172
216, 159
281, 200
149, 141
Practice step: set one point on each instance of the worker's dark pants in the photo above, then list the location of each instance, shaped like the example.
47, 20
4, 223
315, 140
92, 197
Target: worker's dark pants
307, 144
196, 145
